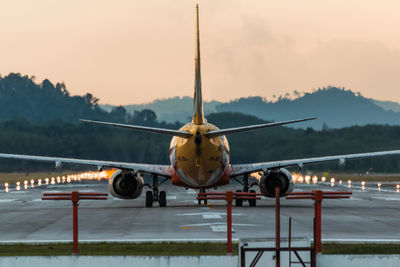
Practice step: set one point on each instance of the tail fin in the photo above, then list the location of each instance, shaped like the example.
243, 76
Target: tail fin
198, 116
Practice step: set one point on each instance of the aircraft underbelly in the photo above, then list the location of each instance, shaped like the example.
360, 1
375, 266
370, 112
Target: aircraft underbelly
200, 171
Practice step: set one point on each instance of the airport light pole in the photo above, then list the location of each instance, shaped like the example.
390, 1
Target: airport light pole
229, 199
277, 227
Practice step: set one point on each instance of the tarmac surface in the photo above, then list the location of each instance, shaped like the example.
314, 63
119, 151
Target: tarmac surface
368, 214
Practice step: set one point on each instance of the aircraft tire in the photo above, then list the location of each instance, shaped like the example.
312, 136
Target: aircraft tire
238, 202
162, 199
149, 199
252, 202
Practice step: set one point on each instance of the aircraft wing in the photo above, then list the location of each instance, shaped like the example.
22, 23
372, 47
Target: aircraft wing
239, 169
143, 128
162, 170
216, 133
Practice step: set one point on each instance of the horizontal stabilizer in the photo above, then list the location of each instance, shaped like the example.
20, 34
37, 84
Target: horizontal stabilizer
143, 128
251, 127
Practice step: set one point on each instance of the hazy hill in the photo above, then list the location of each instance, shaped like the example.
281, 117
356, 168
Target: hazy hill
334, 108
171, 109
387, 105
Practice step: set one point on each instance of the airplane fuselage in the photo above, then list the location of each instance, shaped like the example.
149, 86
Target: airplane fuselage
199, 161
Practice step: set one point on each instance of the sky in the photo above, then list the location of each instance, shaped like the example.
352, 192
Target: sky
131, 51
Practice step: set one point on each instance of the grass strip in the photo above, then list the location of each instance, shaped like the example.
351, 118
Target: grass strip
118, 249
365, 248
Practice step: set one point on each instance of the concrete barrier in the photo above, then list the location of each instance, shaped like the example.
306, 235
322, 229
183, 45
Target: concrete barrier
358, 260
120, 261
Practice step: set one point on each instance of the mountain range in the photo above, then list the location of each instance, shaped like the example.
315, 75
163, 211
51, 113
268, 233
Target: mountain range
334, 108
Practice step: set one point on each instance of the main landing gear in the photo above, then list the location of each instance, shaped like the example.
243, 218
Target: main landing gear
246, 187
202, 190
154, 195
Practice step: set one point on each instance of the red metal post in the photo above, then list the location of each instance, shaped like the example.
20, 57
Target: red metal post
75, 200
229, 199
277, 226
75, 196
317, 227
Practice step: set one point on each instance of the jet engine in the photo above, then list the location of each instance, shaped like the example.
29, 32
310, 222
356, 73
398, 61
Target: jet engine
273, 178
125, 184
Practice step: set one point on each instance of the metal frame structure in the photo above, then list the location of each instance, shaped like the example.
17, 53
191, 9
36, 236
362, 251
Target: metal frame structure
75, 196
317, 196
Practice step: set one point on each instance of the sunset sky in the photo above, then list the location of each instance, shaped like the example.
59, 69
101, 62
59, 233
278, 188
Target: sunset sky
128, 51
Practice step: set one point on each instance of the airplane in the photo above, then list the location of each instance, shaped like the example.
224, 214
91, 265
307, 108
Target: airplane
199, 157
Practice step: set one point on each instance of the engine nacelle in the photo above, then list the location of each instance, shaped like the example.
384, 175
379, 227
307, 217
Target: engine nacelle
125, 184
273, 178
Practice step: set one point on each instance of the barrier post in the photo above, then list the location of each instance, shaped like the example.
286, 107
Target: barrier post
229, 199
277, 226
318, 195
75, 200
74, 196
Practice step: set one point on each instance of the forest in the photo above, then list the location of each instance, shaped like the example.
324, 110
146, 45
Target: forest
64, 139
43, 119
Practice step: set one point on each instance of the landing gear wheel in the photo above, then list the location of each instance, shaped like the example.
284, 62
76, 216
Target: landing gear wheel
252, 202
204, 200
238, 202
162, 199
149, 199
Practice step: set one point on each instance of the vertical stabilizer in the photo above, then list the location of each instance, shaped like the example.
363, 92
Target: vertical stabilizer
198, 116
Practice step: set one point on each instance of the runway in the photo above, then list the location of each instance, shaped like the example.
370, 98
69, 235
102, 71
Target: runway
368, 214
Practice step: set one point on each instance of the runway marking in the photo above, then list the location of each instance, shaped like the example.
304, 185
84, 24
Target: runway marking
212, 216
219, 223
191, 191
188, 228
220, 228
210, 206
208, 213
7, 200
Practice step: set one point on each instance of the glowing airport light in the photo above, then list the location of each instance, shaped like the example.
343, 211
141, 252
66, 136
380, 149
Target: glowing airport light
315, 179
363, 185
69, 178
307, 179
349, 183
340, 181
323, 179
